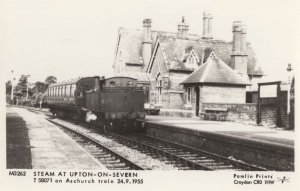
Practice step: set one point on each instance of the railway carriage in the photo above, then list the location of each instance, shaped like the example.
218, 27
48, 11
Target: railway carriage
117, 101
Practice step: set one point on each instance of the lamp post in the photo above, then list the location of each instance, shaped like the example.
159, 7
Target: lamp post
289, 75
289, 80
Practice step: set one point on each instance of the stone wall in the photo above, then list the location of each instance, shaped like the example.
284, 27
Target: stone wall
236, 112
222, 94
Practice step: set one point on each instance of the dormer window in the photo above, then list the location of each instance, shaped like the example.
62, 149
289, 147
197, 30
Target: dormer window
191, 60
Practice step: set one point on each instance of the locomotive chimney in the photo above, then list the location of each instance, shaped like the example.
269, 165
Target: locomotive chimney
147, 41
97, 84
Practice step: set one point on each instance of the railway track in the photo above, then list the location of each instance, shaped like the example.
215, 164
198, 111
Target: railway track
182, 157
110, 159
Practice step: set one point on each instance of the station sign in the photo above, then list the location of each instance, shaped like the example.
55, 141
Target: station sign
268, 91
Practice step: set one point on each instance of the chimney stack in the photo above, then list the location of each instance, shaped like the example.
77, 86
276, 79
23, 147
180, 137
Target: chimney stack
207, 26
183, 29
147, 41
239, 54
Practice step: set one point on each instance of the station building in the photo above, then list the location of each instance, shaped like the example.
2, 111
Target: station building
185, 70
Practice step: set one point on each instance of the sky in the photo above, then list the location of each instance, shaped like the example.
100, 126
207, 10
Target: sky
72, 38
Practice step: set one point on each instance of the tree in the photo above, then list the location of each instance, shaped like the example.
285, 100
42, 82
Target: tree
21, 87
40, 87
8, 87
51, 79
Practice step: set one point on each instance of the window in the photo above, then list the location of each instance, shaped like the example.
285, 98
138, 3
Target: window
130, 83
189, 95
68, 90
159, 90
72, 90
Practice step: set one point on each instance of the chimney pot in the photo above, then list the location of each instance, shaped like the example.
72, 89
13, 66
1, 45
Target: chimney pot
239, 48
207, 25
147, 30
183, 29
147, 41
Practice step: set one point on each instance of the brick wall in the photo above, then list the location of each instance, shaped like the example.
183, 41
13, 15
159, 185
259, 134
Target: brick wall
236, 112
269, 108
176, 79
268, 115
222, 94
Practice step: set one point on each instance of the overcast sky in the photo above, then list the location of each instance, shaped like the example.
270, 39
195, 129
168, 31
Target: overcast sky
71, 38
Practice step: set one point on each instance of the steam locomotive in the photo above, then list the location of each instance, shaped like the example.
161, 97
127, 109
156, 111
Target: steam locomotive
116, 101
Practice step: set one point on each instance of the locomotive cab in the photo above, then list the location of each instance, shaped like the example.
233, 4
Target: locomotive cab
84, 86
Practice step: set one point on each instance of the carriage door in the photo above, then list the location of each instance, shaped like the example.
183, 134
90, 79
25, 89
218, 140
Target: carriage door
197, 92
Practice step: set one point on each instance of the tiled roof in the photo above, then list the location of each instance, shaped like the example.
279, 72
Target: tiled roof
141, 77
175, 49
215, 71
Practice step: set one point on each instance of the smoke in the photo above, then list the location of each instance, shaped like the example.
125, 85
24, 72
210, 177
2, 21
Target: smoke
90, 117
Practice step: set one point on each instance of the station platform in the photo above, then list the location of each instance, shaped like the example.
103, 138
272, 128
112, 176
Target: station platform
50, 147
245, 131
246, 142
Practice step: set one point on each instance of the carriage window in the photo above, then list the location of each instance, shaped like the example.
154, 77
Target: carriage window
73, 87
112, 83
67, 90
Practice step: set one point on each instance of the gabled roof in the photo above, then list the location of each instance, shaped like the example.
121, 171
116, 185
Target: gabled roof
174, 49
215, 71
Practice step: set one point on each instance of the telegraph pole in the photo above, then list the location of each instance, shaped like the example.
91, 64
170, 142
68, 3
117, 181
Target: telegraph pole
12, 87
27, 87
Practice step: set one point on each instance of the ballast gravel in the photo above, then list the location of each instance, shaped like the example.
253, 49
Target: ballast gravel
135, 156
